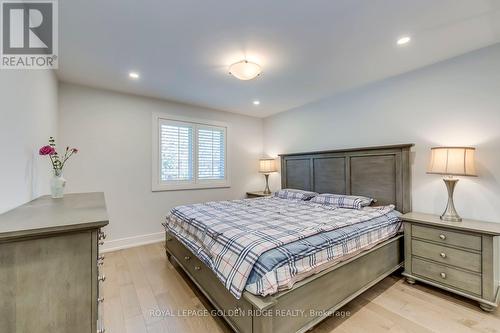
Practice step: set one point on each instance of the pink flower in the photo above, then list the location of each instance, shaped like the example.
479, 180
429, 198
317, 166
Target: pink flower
74, 150
47, 150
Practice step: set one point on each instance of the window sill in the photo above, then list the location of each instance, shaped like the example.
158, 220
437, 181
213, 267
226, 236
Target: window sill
191, 186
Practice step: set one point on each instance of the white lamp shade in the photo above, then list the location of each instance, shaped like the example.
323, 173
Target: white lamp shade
453, 161
245, 70
267, 165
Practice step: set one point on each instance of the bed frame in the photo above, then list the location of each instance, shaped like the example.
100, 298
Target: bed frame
379, 172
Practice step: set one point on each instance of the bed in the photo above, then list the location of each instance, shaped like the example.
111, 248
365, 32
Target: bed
249, 300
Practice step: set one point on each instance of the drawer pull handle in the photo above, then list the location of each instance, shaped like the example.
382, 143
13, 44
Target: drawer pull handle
100, 300
197, 268
101, 257
101, 278
187, 258
101, 243
443, 255
443, 275
443, 237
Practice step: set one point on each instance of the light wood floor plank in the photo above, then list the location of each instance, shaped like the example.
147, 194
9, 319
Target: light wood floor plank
174, 323
121, 268
113, 315
130, 302
157, 327
135, 325
140, 283
147, 300
112, 289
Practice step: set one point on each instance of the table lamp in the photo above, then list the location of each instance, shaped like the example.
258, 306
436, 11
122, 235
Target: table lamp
266, 166
452, 161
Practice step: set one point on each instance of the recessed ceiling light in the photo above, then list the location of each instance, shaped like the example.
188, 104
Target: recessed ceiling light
133, 75
404, 40
245, 70
256, 102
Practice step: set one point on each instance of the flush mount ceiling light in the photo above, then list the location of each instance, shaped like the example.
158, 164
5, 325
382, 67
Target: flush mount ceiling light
256, 102
404, 40
245, 70
133, 75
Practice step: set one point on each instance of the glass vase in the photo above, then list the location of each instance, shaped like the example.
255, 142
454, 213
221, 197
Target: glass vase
57, 184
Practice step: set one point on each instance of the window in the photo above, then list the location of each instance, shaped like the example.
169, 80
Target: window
188, 154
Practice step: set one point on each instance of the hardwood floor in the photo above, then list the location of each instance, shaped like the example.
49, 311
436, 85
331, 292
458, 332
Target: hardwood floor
140, 283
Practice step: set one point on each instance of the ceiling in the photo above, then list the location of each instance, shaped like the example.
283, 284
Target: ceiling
308, 50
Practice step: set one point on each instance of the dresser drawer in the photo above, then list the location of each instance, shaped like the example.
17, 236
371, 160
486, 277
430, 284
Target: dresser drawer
237, 311
444, 275
447, 255
445, 236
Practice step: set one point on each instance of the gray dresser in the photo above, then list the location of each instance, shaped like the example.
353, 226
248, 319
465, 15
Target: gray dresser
49, 265
461, 257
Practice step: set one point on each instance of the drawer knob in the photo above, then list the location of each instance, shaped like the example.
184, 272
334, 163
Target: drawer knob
187, 258
443, 255
101, 243
443, 237
101, 278
100, 300
197, 268
101, 257
443, 275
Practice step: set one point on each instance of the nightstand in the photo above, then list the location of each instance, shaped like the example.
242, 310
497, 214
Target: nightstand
257, 194
460, 257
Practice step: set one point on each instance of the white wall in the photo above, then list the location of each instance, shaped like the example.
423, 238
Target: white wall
456, 102
113, 132
28, 116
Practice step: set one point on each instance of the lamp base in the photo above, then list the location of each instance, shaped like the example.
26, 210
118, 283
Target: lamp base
267, 190
450, 213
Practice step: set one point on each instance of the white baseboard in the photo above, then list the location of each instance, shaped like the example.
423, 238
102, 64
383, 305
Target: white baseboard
125, 243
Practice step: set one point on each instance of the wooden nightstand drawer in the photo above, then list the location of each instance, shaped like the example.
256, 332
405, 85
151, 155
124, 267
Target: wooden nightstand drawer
442, 274
447, 255
445, 236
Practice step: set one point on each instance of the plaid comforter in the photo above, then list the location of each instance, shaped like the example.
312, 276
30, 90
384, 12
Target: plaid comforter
280, 268
230, 236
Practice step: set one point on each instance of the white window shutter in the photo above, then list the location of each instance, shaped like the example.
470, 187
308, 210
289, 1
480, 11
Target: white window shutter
211, 153
176, 151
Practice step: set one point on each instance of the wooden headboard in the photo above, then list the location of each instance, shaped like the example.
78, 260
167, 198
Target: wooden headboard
382, 173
